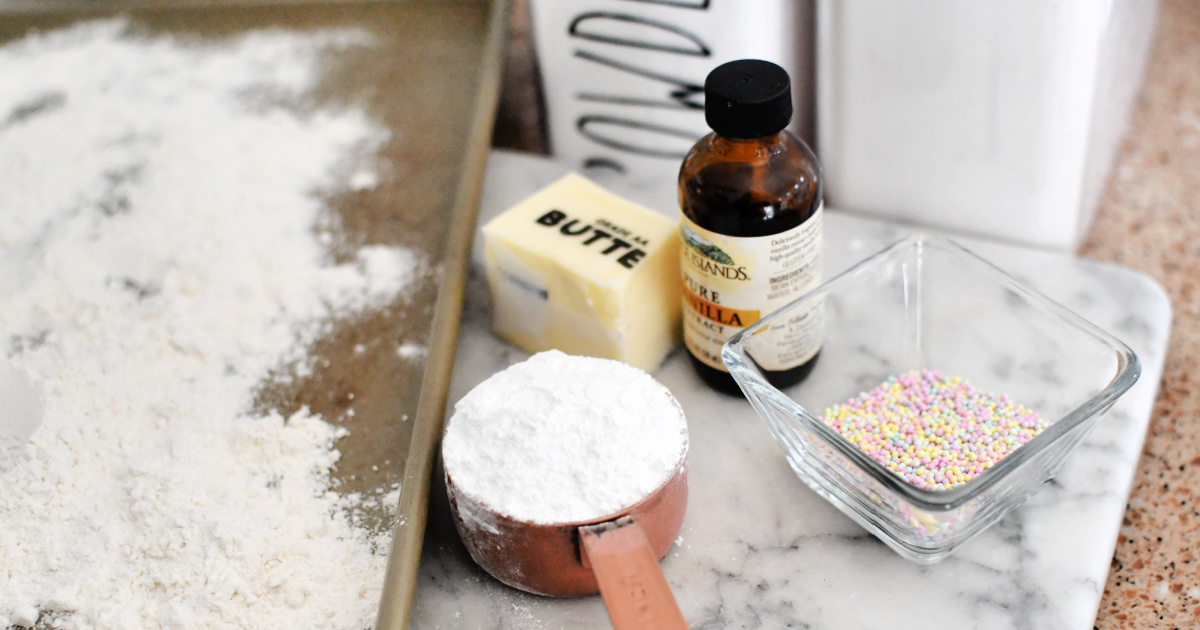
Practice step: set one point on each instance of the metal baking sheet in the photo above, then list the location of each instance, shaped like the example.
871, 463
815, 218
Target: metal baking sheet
432, 78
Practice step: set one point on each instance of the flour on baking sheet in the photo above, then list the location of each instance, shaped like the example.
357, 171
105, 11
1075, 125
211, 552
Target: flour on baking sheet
160, 255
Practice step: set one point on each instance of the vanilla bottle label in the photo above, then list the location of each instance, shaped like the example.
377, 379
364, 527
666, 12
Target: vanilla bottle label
731, 282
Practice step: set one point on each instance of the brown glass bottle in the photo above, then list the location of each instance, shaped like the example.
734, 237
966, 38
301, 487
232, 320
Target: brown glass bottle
749, 187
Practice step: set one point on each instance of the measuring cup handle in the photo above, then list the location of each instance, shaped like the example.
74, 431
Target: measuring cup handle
634, 590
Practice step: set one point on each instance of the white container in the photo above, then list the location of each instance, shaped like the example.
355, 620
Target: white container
998, 118
624, 80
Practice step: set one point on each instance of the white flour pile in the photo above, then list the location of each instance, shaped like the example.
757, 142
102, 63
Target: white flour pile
159, 255
561, 438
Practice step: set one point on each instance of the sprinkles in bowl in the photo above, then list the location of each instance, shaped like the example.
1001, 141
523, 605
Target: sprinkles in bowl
935, 433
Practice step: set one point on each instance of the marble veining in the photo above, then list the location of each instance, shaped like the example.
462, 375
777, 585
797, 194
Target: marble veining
758, 549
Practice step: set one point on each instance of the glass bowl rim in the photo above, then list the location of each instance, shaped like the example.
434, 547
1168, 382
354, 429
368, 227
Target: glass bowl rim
1127, 373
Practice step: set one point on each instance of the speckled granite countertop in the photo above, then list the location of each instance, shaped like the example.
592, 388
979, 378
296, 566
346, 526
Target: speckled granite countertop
1149, 220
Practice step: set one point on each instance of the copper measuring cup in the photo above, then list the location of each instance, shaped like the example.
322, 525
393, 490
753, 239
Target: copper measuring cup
616, 555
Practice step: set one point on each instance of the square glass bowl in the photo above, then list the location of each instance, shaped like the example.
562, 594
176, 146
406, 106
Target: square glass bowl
927, 302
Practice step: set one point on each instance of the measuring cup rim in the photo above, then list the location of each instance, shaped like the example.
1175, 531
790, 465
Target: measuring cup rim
680, 469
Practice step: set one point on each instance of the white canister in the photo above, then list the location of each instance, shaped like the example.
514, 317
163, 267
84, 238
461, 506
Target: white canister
996, 118
624, 79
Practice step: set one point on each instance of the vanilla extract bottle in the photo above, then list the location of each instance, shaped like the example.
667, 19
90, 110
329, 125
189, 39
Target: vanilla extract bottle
750, 196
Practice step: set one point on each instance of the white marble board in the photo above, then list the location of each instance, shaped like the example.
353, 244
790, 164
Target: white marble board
758, 549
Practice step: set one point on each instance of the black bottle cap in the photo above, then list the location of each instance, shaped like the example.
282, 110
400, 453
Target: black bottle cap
747, 98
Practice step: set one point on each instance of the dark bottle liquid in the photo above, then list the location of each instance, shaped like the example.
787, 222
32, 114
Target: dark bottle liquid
754, 187
749, 178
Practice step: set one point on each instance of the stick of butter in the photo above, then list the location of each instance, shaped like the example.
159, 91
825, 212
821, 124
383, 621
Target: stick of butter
581, 270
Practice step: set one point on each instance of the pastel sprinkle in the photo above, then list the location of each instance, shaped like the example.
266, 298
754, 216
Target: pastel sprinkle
935, 433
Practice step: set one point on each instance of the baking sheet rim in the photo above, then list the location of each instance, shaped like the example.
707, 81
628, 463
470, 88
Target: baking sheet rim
399, 586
